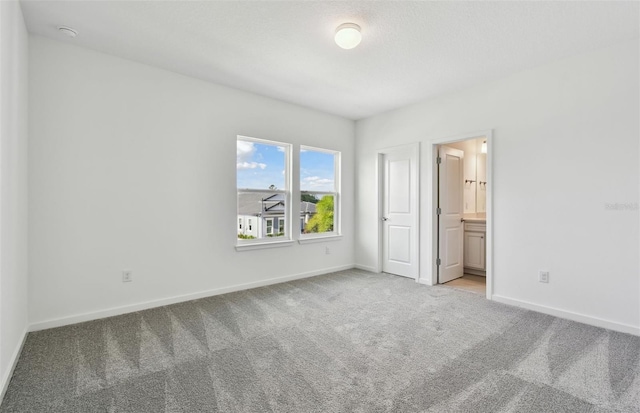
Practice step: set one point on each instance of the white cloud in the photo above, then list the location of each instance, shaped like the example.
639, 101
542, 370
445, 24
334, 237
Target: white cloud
250, 165
244, 156
245, 151
280, 148
317, 183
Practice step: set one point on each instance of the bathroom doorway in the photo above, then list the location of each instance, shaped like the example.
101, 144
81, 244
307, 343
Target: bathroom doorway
462, 218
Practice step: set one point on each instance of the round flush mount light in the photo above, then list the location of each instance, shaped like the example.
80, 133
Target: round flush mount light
68, 31
348, 35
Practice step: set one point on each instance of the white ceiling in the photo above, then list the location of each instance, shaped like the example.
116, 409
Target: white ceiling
411, 50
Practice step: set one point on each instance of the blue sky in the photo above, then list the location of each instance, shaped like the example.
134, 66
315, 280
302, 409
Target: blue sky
259, 166
316, 171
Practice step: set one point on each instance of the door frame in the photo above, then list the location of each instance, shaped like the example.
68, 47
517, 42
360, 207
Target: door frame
415, 147
432, 219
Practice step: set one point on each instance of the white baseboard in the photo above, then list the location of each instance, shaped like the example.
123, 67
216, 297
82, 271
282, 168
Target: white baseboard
110, 312
6, 377
365, 268
569, 315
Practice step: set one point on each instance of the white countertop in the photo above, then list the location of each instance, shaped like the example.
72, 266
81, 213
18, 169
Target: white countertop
480, 217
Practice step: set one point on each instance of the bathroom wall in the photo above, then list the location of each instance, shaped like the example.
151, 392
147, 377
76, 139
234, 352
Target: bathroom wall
475, 167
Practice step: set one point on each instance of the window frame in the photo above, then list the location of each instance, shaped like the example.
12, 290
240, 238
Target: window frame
337, 206
269, 242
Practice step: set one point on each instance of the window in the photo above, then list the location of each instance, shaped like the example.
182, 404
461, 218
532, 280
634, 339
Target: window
319, 191
239, 223
263, 189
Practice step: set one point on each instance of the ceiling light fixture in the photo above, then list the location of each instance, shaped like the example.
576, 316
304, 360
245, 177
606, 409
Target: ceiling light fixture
68, 31
483, 148
348, 35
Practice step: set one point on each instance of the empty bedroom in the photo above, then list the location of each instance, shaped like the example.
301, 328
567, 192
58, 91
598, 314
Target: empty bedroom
275, 206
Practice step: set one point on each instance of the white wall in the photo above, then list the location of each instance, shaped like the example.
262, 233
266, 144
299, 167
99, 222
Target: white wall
565, 144
13, 184
471, 150
133, 167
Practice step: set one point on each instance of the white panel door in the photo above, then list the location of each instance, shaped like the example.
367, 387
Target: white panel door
400, 212
450, 228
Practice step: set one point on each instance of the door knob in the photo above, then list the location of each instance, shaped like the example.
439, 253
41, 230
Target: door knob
385, 218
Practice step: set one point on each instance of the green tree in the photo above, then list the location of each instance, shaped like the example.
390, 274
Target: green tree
308, 198
322, 220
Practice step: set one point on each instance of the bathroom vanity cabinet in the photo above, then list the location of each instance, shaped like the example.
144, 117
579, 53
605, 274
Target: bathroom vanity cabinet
474, 247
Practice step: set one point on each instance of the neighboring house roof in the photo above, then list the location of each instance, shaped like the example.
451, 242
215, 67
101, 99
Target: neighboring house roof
267, 203
307, 207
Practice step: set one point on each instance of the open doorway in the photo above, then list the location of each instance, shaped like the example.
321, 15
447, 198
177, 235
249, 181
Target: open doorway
462, 213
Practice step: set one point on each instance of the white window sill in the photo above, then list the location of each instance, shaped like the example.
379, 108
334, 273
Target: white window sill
322, 238
263, 245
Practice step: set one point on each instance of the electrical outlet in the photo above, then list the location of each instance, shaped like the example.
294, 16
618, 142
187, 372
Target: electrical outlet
127, 276
543, 276
327, 250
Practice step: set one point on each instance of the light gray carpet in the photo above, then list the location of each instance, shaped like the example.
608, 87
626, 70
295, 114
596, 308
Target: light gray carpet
352, 341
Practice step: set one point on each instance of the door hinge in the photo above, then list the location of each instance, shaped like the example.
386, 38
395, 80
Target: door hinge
438, 160
438, 211
438, 261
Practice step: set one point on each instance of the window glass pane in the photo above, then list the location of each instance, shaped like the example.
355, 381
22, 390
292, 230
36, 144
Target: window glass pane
317, 171
261, 175
260, 209
316, 213
260, 165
